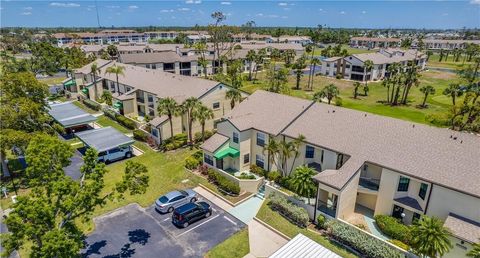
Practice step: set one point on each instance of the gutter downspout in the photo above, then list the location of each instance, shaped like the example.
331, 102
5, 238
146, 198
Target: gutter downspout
428, 201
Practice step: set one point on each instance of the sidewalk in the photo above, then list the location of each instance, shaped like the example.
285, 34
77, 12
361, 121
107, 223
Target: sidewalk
211, 197
263, 241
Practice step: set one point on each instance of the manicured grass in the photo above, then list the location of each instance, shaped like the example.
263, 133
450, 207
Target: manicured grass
236, 246
82, 106
106, 121
437, 103
351, 50
278, 222
433, 61
53, 80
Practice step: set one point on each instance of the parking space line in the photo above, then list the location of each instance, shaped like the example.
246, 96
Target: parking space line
231, 221
214, 209
179, 235
166, 219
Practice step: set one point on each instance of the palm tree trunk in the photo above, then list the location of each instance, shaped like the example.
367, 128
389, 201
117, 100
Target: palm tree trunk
203, 132
453, 99
424, 100
388, 94
118, 85
171, 126
190, 122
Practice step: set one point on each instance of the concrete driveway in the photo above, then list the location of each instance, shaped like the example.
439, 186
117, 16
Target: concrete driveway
133, 231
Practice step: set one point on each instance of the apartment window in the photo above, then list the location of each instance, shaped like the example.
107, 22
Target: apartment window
260, 139
154, 66
403, 184
259, 160
147, 66
423, 191
208, 159
235, 137
246, 158
347, 66
155, 132
216, 105
309, 152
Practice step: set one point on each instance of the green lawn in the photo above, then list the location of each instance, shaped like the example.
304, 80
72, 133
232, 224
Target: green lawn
278, 222
437, 103
53, 80
433, 61
82, 106
105, 121
350, 50
237, 246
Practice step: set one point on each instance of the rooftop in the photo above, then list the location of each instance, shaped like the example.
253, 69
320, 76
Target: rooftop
105, 138
303, 247
69, 115
213, 143
463, 228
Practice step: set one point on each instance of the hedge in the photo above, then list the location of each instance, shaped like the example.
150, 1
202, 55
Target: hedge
223, 183
362, 242
92, 104
110, 113
244, 175
399, 244
198, 136
292, 212
140, 135
393, 228
125, 121
257, 170
174, 143
191, 162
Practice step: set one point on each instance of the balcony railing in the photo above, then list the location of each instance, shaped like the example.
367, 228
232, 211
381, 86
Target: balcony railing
326, 208
141, 100
369, 183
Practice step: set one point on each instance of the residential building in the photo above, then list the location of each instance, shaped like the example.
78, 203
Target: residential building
447, 44
353, 67
139, 90
302, 40
371, 43
430, 43
367, 164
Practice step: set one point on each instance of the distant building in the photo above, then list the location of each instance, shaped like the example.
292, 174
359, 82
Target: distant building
370, 43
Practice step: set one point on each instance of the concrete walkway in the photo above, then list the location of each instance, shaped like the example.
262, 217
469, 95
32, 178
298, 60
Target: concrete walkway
211, 197
263, 241
247, 210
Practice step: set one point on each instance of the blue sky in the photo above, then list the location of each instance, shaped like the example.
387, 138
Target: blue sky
359, 14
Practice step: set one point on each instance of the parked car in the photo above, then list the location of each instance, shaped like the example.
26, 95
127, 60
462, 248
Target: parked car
115, 154
174, 199
190, 212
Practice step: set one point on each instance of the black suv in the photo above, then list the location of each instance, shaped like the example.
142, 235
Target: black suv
190, 212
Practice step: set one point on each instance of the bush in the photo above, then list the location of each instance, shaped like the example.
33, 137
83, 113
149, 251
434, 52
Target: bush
222, 182
92, 104
198, 136
393, 228
244, 175
257, 170
362, 242
292, 212
274, 176
174, 143
191, 162
128, 123
140, 135
338, 101
203, 169
321, 221
59, 128
110, 113
399, 244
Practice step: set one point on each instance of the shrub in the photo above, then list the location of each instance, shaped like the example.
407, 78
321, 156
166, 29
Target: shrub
198, 136
212, 175
399, 244
92, 104
338, 101
191, 162
393, 228
362, 242
128, 123
203, 169
59, 128
292, 212
321, 221
140, 135
222, 182
110, 113
274, 176
244, 175
257, 170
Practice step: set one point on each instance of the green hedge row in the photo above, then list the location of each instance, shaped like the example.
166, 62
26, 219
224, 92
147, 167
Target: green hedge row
128, 123
393, 228
362, 242
194, 160
294, 213
174, 143
140, 135
92, 104
222, 182
110, 113
198, 136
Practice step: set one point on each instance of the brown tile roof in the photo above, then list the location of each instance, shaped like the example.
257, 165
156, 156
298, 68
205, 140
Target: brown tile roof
158, 120
87, 68
267, 112
376, 39
213, 143
437, 155
379, 58
463, 228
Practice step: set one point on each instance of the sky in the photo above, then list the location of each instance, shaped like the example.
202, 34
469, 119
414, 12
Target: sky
336, 14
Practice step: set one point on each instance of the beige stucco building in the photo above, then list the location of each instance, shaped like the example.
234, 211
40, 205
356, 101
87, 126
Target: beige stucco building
367, 164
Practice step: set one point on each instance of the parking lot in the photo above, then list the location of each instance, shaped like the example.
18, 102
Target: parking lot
133, 231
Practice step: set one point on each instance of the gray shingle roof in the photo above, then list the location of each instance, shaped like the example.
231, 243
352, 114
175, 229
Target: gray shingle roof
410, 202
213, 143
303, 247
437, 155
463, 228
267, 112
69, 115
103, 139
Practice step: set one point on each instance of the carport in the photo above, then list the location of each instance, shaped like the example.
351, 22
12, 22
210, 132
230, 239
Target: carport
70, 116
110, 143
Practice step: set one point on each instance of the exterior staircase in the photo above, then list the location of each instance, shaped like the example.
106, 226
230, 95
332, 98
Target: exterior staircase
261, 192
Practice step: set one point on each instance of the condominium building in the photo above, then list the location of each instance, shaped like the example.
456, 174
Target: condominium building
367, 164
432, 44
371, 43
447, 44
139, 90
353, 67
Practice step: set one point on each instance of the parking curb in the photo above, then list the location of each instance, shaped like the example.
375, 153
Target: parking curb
224, 199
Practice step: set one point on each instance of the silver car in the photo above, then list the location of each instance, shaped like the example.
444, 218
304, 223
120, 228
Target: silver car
174, 199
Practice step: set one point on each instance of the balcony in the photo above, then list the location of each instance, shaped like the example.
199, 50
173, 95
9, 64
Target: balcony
369, 183
327, 208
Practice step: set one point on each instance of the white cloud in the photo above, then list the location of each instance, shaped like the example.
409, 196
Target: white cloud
475, 1
193, 1
272, 16
27, 8
284, 17
282, 4
26, 13
259, 14
64, 4
342, 12
364, 12
167, 11
133, 7
112, 6
226, 3
183, 9
287, 9
444, 14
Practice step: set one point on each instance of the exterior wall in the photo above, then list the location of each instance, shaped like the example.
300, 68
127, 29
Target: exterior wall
444, 201
348, 197
129, 107
164, 128
460, 248
367, 200
386, 192
243, 145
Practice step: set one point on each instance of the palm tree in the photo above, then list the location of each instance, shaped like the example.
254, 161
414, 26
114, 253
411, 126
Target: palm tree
453, 91
168, 107
289, 55
117, 70
271, 149
475, 252
367, 67
426, 90
386, 83
94, 70
201, 48
411, 79
285, 149
202, 114
330, 91
259, 59
430, 237
356, 86
234, 95
189, 106
107, 97
296, 149
302, 181
314, 62
251, 57
298, 69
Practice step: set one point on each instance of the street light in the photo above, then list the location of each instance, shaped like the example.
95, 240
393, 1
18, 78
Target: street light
403, 216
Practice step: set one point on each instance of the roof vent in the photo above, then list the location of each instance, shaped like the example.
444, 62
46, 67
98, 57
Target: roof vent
455, 138
413, 126
333, 111
365, 115
461, 141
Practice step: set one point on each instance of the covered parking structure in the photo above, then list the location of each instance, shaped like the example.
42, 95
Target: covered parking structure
70, 116
110, 143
